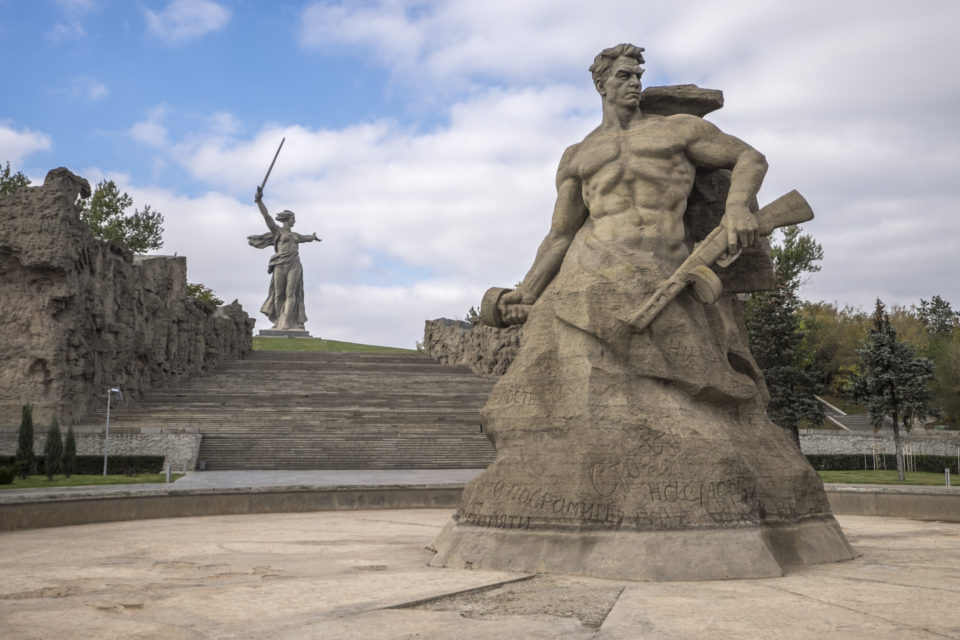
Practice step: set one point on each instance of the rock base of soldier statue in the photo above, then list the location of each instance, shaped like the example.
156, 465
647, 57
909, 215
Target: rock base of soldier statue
284, 333
700, 497
639, 456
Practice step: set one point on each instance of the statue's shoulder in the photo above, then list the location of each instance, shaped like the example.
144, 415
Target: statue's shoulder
689, 123
569, 158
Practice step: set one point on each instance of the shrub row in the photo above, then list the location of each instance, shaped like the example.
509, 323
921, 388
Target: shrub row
92, 465
860, 461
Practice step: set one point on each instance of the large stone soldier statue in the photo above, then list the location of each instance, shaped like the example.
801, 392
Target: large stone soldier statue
631, 438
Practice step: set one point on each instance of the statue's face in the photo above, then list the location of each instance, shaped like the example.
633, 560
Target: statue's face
622, 86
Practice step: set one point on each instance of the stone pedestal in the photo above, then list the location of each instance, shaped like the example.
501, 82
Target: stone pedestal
283, 333
639, 456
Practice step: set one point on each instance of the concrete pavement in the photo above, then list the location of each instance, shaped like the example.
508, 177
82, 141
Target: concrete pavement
363, 574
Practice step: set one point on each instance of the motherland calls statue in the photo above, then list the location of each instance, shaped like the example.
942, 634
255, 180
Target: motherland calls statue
630, 430
284, 303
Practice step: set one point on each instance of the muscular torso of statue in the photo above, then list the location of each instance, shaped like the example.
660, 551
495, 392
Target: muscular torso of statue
635, 184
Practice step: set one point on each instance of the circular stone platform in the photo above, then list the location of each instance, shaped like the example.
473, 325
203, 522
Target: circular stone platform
364, 574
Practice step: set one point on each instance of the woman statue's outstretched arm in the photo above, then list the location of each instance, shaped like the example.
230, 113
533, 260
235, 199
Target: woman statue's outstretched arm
263, 210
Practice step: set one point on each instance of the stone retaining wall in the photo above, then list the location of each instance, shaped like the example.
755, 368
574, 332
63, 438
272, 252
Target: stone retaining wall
81, 315
179, 447
944, 443
486, 350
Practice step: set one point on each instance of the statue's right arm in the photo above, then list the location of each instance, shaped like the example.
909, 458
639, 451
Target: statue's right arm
263, 211
569, 213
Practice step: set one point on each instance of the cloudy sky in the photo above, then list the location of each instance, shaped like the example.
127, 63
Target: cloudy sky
422, 138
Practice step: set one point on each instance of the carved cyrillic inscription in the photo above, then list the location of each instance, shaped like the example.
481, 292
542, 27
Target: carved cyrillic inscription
609, 477
501, 521
517, 396
554, 505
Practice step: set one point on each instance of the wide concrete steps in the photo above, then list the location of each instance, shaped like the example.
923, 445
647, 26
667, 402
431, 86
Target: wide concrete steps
428, 450
315, 410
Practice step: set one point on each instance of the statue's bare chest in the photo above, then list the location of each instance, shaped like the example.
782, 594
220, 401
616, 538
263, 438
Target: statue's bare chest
645, 152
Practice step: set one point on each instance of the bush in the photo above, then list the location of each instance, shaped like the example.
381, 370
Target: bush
7, 474
203, 294
93, 465
10, 471
855, 462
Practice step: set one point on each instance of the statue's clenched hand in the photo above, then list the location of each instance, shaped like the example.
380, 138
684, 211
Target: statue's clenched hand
741, 227
514, 307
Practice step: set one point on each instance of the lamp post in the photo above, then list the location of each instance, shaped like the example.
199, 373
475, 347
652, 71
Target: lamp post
106, 437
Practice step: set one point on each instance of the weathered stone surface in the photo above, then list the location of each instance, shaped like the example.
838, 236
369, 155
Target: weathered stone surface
918, 442
487, 350
81, 315
179, 447
681, 98
628, 450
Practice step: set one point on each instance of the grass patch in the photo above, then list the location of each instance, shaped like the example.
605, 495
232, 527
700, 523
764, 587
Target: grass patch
316, 344
83, 480
889, 476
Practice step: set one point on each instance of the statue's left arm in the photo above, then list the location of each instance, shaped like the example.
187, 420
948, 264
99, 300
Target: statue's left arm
709, 147
312, 237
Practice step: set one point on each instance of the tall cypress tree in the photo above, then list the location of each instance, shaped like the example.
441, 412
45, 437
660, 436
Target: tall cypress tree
52, 449
893, 380
70, 453
25, 454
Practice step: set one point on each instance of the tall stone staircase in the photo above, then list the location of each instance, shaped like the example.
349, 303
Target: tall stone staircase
318, 410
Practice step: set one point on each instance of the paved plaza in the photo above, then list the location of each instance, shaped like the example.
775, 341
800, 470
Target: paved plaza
363, 574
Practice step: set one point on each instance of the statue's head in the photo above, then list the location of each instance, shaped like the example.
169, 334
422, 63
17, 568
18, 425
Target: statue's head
286, 216
605, 59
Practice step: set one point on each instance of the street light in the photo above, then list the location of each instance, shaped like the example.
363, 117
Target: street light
106, 437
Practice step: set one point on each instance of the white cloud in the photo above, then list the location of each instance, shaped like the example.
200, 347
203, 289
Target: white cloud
63, 31
89, 89
183, 20
150, 131
17, 145
855, 109
72, 28
386, 27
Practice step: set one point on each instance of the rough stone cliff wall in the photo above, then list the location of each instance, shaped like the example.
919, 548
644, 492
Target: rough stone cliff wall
486, 350
79, 315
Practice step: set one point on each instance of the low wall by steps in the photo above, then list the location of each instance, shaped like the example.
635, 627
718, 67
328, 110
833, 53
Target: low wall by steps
179, 447
924, 443
113, 504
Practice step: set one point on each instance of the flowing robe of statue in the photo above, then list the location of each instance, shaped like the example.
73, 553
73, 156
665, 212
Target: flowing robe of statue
643, 455
284, 304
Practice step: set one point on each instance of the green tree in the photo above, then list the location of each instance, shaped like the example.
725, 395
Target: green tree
942, 324
53, 449
10, 182
893, 380
833, 336
106, 213
25, 453
938, 317
795, 256
69, 459
203, 294
777, 339
944, 350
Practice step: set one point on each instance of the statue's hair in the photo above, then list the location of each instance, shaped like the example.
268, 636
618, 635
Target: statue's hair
605, 59
285, 215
